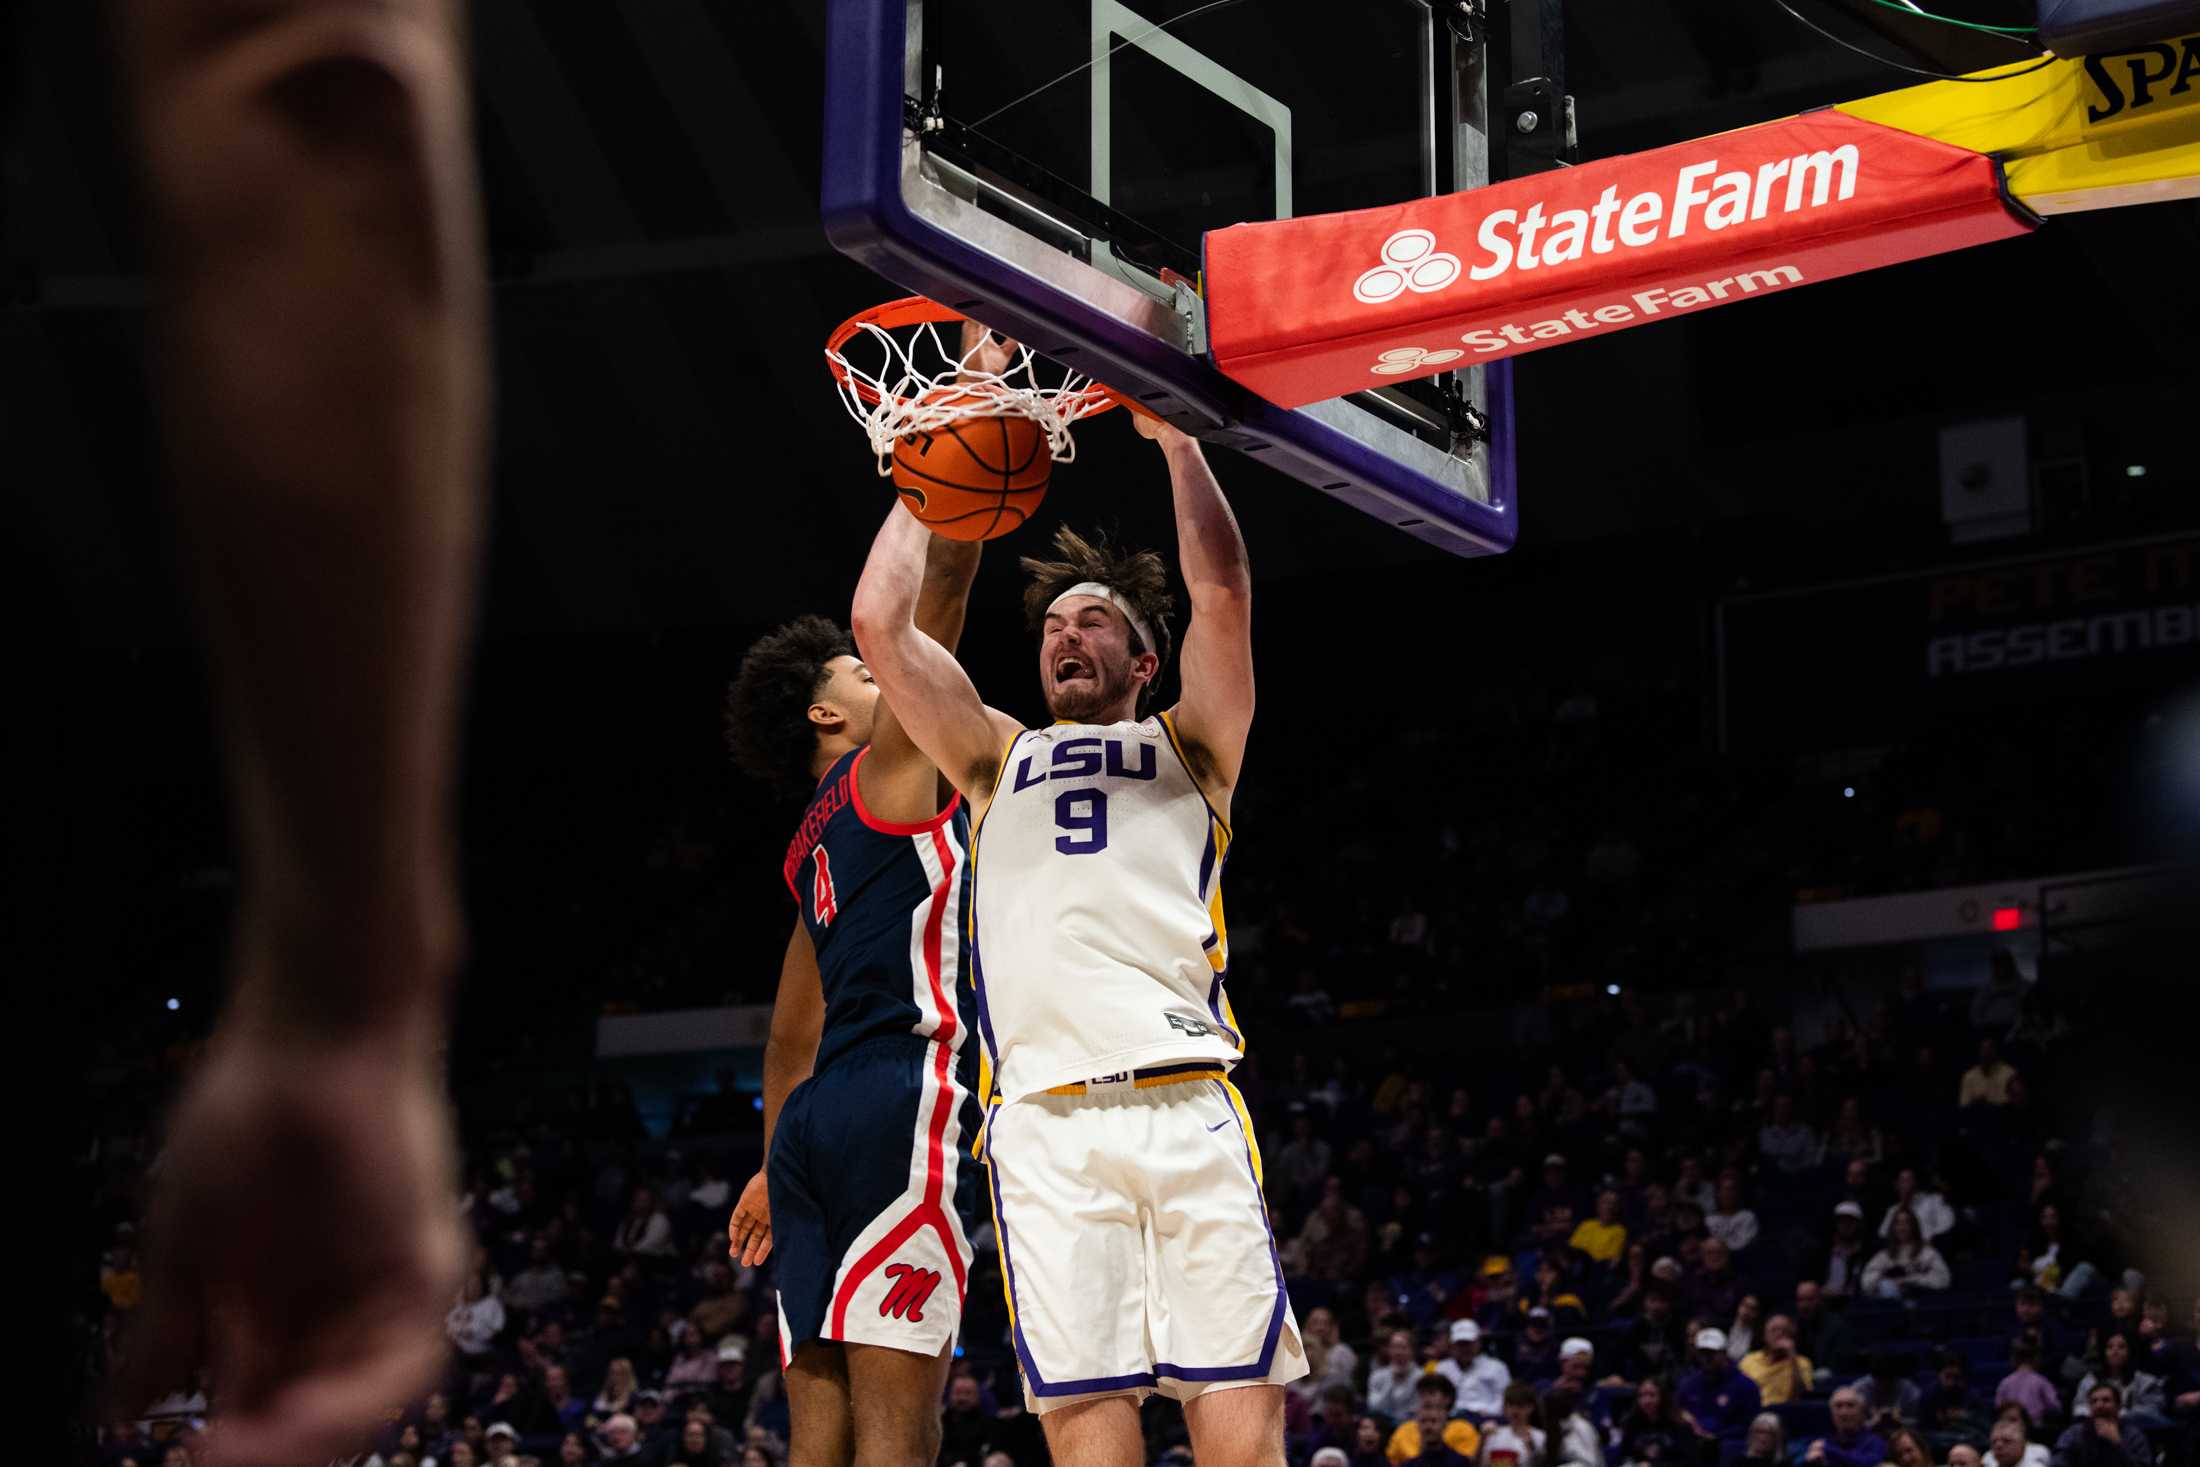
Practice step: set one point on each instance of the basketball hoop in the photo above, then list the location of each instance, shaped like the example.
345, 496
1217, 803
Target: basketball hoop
922, 385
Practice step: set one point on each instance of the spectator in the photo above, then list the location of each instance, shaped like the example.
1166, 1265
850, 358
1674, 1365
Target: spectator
1963, 1454
1329, 1360
475, 1320
1987, 1082
646, 1232
2051, 1259
1478, 1379
1332, 1246
1890, 1397
555, 1408
696, 1365
1730, 1222
1741, 1335
2138, 1394
1602, 1238
1947, 1405
1846, 1258
1535, 1352
1304, 1160
1626, 1285
618, 1440
1851, 1443
1715, 1292
1572, 1437
1517, 1441
1392, 1378
2056, 1343
2024, 1386
1553, 1207
1852, 1138
1554, 1292
1691, 1187
964, 1422
1908, 1265
1652, 1345
1654, 1429
649, 1421
2009, 1443
729, 1398
572, 1450
1631, 1098
713, 1194
542, 1284
695, 1449
1822, 1333
1766, 1444
1367, 1442
500, 1443
1786, 1143
1718, 1398
1776, 1369
1934, 1216
1905, 1448
2102, 1438
619, 1386
1433, 1426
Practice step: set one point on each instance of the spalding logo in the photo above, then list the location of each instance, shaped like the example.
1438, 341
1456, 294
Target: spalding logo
2175, 62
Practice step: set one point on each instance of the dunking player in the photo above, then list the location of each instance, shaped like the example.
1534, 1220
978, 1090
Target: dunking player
868, 1194
1126, 1182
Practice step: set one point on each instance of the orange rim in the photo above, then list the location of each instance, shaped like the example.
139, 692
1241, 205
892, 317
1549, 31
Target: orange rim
917, 310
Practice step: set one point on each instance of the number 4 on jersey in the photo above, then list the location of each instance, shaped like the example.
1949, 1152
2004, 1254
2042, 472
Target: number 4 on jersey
823, 906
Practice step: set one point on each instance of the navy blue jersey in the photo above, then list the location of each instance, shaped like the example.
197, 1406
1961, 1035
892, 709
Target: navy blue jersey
886, 907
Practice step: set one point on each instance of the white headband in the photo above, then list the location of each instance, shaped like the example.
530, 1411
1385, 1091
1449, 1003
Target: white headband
1120, 602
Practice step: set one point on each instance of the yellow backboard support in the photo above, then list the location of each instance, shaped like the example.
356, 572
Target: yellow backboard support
2090, 132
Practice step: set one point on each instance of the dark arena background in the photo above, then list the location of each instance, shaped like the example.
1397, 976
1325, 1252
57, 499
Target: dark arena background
1793, 826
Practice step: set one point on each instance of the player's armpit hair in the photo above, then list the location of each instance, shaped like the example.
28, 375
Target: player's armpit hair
1138, 576
768, 729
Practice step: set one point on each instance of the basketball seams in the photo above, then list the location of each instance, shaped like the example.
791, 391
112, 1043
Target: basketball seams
972, 492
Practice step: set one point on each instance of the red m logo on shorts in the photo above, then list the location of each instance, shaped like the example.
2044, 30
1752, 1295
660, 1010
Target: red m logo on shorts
905, 1296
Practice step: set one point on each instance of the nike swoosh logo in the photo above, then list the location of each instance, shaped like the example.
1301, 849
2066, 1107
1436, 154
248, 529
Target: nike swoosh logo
1218, 1125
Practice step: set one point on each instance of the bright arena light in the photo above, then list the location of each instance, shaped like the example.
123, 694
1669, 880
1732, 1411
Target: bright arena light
2135, 471
173, 1005
1612, 989
1848, 792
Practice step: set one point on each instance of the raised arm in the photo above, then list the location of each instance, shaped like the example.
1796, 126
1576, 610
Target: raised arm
1215, 712
798, 1018
921, 681
900, 782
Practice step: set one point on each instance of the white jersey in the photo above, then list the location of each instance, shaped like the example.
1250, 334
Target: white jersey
1098, 941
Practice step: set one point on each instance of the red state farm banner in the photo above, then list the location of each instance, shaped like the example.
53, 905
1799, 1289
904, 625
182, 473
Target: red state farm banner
1299, 310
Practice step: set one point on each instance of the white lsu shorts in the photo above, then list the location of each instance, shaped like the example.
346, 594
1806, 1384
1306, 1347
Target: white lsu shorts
1135, 1243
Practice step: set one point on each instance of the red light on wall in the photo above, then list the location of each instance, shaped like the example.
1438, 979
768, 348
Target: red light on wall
2008, 919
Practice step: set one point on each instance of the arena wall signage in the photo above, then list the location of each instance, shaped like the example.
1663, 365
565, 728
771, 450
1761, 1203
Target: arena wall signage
1859, 661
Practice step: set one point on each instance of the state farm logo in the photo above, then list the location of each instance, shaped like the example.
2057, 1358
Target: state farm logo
1402, 359
1411, 261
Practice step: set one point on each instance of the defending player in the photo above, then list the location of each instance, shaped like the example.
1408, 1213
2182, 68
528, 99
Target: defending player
1126, 1181
869, 1193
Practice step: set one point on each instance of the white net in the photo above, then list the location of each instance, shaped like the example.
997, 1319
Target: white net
922, 385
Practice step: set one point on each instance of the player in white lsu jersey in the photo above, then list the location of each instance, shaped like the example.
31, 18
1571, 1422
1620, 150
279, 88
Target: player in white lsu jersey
1126, 1183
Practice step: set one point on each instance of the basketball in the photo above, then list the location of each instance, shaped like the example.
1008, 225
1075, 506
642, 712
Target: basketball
974, 479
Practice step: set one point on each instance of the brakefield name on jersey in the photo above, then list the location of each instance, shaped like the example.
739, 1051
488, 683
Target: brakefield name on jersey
828, 803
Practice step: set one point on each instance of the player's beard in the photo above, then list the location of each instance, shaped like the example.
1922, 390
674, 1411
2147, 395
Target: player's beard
1086, 700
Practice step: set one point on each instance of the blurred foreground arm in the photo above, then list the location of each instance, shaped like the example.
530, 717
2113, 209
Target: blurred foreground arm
322, 382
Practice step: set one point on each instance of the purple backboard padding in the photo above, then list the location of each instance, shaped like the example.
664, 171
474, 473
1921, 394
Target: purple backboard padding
866, 219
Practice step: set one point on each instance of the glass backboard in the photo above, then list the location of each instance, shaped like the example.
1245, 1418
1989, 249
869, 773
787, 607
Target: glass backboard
1051, 169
